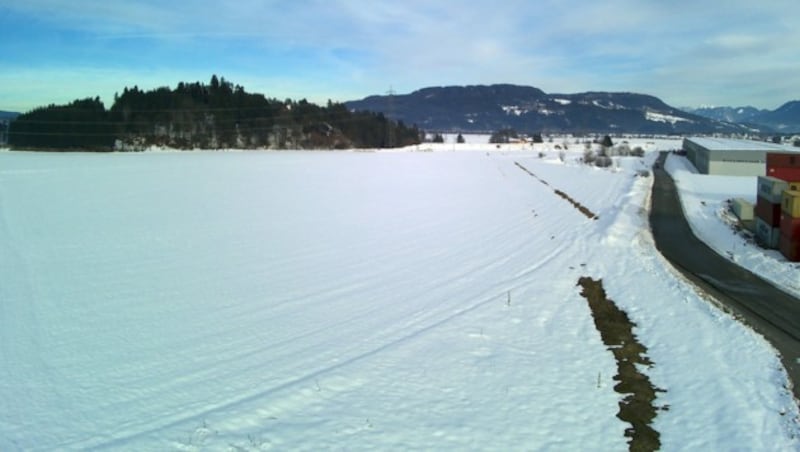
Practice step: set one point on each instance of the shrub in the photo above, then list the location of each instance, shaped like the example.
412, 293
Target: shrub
623, 149
503, 136
603, 161
589, 156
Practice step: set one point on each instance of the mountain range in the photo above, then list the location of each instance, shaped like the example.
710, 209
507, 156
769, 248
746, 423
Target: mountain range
8, 115
786, 118
488, 108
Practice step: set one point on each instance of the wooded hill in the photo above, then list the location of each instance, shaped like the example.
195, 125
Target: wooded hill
526, 109
218, 115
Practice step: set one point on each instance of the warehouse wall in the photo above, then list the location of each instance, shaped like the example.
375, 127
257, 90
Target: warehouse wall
696, 154
725, 162
738, 168
738, 163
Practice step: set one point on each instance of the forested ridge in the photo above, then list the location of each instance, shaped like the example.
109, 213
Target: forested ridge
217, 115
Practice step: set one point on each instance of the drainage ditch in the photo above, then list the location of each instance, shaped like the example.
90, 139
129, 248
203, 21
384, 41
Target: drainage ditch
583, 209
616, 330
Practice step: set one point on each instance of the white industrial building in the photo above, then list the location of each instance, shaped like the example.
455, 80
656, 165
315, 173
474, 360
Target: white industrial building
729, 157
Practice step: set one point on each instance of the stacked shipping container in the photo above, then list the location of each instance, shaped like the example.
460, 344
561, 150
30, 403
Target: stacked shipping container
786, 168
768, 210
745, 212
789, 243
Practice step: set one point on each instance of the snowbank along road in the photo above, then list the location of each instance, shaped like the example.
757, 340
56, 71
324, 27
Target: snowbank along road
773, 312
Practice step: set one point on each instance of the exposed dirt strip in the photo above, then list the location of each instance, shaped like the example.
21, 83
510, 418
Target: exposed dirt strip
615, 329
583, 209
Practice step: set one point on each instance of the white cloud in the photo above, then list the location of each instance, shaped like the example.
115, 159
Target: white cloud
675, 50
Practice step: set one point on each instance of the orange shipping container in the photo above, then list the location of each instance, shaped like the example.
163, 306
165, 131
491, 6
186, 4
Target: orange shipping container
790, 203
790, 249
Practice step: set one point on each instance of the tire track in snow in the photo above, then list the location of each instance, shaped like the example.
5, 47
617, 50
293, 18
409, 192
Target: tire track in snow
24, 370
423, 324
375, 281
18, 322
296, 379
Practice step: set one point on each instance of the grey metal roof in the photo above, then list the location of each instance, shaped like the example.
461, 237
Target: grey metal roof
727, 144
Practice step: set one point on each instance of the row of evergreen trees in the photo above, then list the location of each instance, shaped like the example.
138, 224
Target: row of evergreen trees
80, 124
207, 116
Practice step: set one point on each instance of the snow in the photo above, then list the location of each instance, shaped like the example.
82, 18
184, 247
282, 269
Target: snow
469, 139
660, 117
513, 110
563, 101
608, 106
727, 144
353, 301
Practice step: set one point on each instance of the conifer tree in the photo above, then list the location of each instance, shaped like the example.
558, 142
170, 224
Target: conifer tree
195, 115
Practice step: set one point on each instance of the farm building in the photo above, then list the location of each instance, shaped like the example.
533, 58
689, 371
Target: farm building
730, 157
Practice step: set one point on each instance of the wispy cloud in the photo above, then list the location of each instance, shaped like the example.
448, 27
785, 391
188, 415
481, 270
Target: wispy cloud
686, 52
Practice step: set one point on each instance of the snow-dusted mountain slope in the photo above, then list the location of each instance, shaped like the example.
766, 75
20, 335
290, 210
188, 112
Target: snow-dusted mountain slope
488, 108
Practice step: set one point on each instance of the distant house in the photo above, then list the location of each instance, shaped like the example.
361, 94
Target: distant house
729, 157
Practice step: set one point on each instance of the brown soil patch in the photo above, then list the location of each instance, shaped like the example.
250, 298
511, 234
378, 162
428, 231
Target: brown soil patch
583, 209
616, 331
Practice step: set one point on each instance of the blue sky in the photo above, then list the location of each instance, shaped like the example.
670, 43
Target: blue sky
688, 53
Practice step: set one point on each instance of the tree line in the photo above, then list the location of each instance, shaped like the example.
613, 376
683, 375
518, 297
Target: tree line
205, 116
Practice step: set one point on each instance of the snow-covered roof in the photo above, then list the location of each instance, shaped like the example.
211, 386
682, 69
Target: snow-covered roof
728, 144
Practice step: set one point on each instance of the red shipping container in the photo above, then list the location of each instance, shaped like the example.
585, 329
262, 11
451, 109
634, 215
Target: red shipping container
790, 227
783, 160
769, 212
790, 249
784, 173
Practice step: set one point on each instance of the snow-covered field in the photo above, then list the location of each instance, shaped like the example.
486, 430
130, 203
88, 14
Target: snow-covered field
352, 301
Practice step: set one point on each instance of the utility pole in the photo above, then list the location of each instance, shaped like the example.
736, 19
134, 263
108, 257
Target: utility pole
390, 138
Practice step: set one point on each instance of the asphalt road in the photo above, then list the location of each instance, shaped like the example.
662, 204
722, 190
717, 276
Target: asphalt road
770, 311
